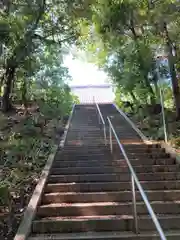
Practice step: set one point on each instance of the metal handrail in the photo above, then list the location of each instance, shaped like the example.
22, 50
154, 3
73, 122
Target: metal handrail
101, 119
100, 114
134, 180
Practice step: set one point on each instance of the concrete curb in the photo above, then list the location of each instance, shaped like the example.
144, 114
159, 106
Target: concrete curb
29, 214
172, 151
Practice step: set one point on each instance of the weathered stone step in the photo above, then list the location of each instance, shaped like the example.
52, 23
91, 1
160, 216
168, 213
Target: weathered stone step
89, 157
149, 168
106, 155
121, 162
106, 149
86, 163
85, 136
126, 133
112, 169
123, 196
104, 208
172, 235
111, 177
144, 154
72, 147
87, 178
130, 137
148, 161
105, 158
102, 223
85, 152
83, 158
126, 146
85, 128
142, 145
110, 186
144, 150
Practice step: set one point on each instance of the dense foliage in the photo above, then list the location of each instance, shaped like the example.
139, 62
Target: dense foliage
33, 38
126, 38
34, 95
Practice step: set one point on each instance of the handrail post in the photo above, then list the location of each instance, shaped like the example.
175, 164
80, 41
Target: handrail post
105, 138
134, 204
101, 119
110, 138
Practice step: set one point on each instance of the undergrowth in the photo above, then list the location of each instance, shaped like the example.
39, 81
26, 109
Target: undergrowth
26, 140
152, 126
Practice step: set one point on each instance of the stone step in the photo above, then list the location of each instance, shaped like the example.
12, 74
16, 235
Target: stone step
122, 196
98, 147
102, 223
89, 157
104, 208
107, 155
110, 177
143, 154
112, 169
85, 154
126, 146
90, 135
148, 161
106, 149
172, 235
121, 162
142, 146
144, 150
110, 186
85, 151
82, 163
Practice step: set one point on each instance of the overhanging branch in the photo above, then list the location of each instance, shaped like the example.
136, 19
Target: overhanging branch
52, 41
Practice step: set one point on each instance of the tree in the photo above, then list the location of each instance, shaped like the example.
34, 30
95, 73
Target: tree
32, 25
165, 25
141, 27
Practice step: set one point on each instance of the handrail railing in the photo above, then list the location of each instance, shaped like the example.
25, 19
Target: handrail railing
101, 119
134, 180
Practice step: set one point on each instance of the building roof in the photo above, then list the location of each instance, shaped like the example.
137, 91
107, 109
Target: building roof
91, 86
90, 93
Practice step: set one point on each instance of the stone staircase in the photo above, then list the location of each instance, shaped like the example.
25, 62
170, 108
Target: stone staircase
88, 192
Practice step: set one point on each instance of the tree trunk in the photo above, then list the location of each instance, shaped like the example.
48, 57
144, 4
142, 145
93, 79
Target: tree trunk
9, 76
141, 61
155, 83
133, 96
150, 90
156, 89
24, 93
175, 87
174, 80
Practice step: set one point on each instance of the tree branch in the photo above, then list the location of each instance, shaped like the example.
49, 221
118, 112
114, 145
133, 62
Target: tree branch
52, 41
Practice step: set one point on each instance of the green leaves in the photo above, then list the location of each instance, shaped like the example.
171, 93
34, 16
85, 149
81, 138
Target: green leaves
133, 31
4, 193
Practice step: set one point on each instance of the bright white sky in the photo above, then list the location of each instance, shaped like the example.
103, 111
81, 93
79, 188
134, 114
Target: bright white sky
84, 73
